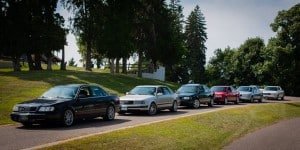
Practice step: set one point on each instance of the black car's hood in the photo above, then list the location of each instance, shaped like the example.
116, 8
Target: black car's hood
42, 102
186, 94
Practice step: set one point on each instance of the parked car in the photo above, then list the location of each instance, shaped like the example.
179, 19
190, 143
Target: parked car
250, 93
225, 94
65, 104
149, 98
273, 92
193, 95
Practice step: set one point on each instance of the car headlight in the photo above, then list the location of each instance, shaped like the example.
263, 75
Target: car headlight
16, 108
186, 98
46, 108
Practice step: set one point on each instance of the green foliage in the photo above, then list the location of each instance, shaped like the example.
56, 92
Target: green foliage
71, 62
195, 42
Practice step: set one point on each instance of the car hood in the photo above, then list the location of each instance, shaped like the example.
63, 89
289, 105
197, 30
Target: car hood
185, 94
136, 97
43, 102
244, 92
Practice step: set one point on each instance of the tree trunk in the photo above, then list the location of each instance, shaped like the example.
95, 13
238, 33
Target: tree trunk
30, 62
124, 65
16, 64
49, 63
62, 63
118, 65
140, 53
37, 62
112, 66
88, 65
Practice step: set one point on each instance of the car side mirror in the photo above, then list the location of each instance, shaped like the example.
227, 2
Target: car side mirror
159, 94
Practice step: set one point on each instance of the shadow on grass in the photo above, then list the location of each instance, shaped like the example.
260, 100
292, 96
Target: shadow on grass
114, 83
293, 104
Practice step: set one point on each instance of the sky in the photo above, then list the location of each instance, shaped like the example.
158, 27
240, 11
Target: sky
228, 22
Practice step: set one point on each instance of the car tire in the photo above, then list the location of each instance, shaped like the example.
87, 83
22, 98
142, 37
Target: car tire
68, 118
282, 98
152, 109
225, 101
211, 103
196, 103
260, 100
174, 106
110, 113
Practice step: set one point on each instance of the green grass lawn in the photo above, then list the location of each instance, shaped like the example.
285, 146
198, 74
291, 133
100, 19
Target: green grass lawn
16, 87
206, 131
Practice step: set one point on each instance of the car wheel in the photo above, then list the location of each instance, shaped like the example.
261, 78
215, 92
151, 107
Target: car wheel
211, 102
225, 101
68, 118
110, 113
174, 107
152, 109
196, 103
282, 98
237, 101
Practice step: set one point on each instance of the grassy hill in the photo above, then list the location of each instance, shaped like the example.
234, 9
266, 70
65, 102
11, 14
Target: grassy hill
16, 87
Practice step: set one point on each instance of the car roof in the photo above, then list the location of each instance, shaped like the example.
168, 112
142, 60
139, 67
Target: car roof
151, 86
76, 85
193, 84
222, 86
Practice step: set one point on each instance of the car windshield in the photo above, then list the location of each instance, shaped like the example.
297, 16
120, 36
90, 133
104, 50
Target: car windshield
187, 89
218, 89
271, 88
142, 91
60, 92
245, 89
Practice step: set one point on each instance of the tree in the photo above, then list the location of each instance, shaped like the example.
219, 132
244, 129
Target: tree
195, 41
86, 23
287, 26
245, 61
220, 67
71, 62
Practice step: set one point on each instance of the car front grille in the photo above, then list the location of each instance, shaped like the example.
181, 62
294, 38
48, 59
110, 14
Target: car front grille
126, 102
266, 94
27, 109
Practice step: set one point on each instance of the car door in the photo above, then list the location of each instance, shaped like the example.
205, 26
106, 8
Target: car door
280, 92
204, 94
169, 97
256, 93
99, 99
160, 98
83, 106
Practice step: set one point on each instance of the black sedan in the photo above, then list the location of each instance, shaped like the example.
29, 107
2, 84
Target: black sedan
66, 103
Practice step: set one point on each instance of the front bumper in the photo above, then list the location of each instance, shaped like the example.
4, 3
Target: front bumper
245, 97
134, 107
273, 96
219, 98
34, 117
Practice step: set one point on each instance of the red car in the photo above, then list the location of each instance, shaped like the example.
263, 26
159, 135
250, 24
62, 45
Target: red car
225, 94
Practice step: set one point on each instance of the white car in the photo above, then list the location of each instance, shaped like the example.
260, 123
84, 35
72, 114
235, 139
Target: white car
250, 93
149, 98
273, 92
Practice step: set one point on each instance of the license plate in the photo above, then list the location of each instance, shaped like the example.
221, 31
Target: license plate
124, 108
23, 118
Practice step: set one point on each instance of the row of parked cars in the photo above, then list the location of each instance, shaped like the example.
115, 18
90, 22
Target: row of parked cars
67, 103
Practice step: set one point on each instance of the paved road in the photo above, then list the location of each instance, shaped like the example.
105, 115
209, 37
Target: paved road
284, 135
17, 137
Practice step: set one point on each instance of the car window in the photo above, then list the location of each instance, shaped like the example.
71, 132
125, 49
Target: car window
85, 91
166, 91
229, 89
206, 88
159, 90
201, 89
97, 91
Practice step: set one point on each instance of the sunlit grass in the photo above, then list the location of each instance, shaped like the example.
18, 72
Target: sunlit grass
207, 131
